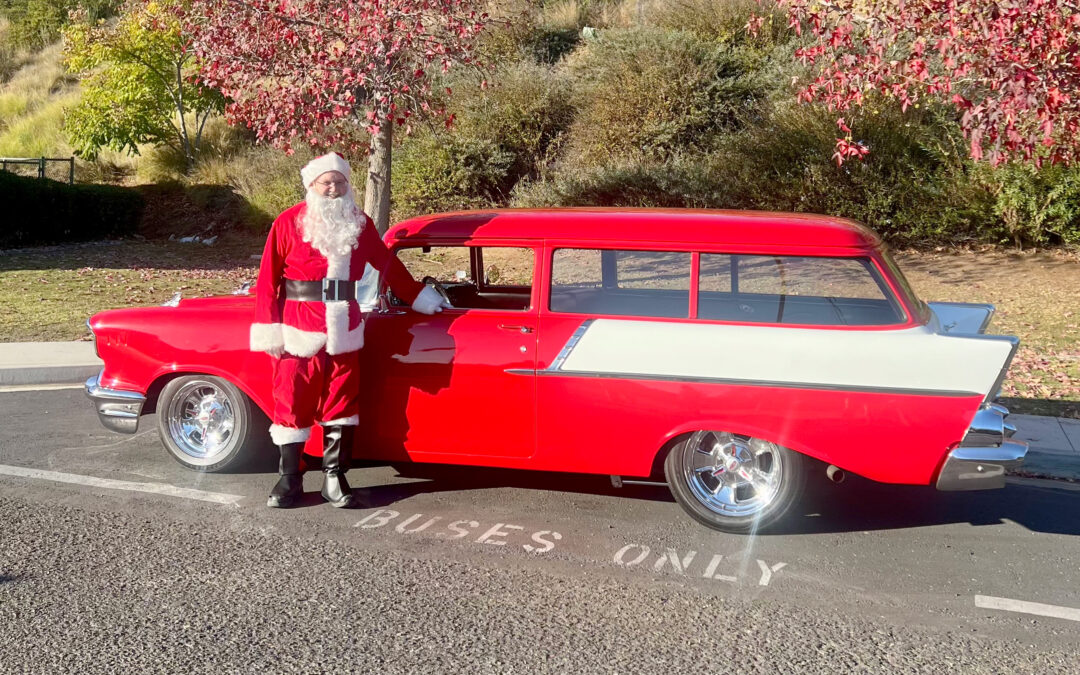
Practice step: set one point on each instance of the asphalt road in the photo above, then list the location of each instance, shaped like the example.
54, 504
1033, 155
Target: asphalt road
496, 571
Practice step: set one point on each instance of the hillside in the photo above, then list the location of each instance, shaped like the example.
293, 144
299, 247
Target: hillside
612, 102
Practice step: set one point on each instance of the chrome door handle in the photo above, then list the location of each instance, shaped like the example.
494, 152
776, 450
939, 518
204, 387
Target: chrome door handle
522, 329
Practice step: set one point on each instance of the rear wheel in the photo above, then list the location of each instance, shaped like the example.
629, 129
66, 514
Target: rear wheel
732, 482
205, 423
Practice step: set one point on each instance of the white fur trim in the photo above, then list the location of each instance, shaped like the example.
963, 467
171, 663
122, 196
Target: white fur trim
337, 266
428, 301
265, 336
301, 342
282, 435
331, 161
339, 339
343, 422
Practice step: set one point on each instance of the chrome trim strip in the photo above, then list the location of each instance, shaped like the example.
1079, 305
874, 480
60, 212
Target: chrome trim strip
754, 383
564, 353
519, 371
980, 468
117, 410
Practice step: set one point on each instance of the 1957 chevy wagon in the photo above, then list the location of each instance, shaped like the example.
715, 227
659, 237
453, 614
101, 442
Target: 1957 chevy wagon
727, 354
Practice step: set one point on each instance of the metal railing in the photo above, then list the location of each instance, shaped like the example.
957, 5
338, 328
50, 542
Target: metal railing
40, 162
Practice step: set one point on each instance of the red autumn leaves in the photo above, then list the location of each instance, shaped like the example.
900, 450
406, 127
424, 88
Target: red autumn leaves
1011, 68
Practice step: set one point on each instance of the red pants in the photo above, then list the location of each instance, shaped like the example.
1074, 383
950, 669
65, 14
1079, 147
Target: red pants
320, 388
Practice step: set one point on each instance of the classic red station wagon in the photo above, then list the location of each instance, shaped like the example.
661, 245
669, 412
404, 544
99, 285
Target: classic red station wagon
725, 353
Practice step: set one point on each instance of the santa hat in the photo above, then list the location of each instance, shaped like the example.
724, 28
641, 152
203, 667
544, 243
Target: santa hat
331, 161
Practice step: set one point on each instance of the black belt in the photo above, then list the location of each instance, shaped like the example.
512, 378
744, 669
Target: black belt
327, 290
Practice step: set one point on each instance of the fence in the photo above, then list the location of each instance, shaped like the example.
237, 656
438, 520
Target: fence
40, 162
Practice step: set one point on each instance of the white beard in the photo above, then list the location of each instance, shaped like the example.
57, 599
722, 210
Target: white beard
332, 225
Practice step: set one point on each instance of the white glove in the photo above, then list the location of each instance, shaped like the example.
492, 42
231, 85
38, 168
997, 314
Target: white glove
430, 301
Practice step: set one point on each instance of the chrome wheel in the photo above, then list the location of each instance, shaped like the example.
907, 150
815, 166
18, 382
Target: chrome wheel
205, 422
732, 475
201, 419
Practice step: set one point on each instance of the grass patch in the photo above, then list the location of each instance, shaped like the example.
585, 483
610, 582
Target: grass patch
47, 293
39, 133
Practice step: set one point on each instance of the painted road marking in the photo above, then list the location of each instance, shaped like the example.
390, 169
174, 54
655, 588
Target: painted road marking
108, 483
12, 388
1037, 608
633, 555
540, 541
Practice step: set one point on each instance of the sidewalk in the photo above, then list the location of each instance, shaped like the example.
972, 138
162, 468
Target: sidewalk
1054, 442
27, 363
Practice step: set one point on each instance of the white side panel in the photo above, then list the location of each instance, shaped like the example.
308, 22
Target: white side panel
914, 358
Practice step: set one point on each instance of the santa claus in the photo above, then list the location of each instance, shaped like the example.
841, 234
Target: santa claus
307, 317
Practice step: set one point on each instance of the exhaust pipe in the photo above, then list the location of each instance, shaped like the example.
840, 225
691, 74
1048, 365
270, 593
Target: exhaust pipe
835, 474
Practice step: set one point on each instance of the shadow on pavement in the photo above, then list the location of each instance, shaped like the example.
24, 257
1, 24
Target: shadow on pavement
856, 505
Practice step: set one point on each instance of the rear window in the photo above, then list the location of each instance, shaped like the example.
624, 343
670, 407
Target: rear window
621, 283
794, 290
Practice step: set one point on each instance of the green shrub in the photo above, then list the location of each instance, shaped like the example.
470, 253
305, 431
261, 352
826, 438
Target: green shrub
266, 178
692, 181
441, 172
501, 135
36, 23
653, 94
720, 20
1036, 206
43, 211
913, 188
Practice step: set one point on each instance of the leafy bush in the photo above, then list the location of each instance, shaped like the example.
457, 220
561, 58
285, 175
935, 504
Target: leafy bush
914, 188
691, 181
42, 211
1036, 206
720, 20
501, 135
653, 94
267, 179
36, 23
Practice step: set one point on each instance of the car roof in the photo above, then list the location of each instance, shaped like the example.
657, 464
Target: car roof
621, 224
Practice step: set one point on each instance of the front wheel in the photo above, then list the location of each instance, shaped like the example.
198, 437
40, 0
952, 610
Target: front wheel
732, 482
205, 422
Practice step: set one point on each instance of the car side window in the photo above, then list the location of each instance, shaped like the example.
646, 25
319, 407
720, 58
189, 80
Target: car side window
794, 290
621, 282
475, 277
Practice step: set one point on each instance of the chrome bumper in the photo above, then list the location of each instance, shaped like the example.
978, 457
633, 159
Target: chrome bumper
985, 454
118, 410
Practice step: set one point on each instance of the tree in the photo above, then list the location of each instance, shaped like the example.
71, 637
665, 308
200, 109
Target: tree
1011, 68
141, 87
330, 73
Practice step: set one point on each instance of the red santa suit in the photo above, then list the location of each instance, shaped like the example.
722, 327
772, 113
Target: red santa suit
317, 379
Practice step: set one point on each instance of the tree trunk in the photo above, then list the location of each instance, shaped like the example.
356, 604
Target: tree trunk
377, 191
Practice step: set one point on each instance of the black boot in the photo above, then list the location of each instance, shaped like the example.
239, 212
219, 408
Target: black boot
337, 448
290, 485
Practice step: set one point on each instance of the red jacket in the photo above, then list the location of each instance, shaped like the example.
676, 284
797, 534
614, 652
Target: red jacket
303, 328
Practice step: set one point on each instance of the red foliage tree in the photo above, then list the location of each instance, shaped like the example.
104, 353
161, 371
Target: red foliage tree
334, 73
1011, 68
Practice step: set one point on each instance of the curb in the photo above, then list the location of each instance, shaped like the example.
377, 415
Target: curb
12, 377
